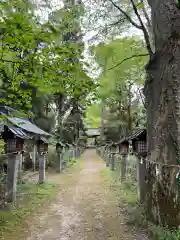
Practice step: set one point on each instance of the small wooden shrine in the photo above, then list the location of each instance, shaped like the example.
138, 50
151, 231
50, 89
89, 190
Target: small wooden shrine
59, 147
42, 146
139, 142
14, 139
123, 146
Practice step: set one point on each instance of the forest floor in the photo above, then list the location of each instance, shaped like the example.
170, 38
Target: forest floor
85, 207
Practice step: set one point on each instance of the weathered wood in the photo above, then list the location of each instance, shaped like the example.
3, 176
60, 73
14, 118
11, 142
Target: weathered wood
123, 167
12, 177
141, 175
112, 161
42, 167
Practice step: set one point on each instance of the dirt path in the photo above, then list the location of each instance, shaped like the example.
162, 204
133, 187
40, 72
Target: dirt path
84, 209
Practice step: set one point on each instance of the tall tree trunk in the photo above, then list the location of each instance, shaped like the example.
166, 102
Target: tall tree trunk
162, 92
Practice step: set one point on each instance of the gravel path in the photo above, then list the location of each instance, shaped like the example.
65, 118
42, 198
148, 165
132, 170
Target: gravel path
84, 208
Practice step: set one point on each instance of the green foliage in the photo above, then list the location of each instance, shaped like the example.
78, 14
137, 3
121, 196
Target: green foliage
121, 77
36, 55
92, 118
177, 3
108, 55
125, 192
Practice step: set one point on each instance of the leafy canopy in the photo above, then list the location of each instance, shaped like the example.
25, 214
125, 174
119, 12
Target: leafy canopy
36, 54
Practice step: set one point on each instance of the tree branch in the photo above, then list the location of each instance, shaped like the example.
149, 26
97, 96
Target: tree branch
145, 32
116, 23
126, 15
128, 58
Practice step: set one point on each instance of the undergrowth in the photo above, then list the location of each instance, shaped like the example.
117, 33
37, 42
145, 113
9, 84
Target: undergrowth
30, 198
127, 193
138, 218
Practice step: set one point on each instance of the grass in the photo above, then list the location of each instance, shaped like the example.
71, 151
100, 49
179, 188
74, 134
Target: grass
32, 197
126, 193
75, 163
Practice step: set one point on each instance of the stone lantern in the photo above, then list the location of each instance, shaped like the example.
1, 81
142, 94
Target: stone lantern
59, 151
123, 147
139, 144
42, 148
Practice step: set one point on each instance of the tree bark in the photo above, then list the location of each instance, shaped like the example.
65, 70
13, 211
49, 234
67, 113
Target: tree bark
162, 91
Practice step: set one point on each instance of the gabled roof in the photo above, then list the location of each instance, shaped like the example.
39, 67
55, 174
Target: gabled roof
20, 126
137, 134
27, 126
133, 136
18, 132
44, 140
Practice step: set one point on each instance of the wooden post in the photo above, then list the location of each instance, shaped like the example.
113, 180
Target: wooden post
12, 177
141, 174
34, 157
123, 166
42, 164
112, 161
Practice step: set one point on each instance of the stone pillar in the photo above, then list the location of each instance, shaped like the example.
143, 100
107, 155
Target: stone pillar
12, 177
20, 161
34, 153
59, 162
107, 159
73, 153
42, 168
112, 161
141, 175
19, 158
123, 167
